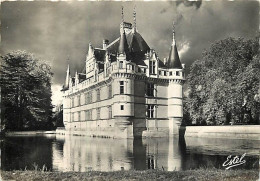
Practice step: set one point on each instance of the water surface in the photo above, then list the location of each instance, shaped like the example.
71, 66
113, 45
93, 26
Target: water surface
79, 153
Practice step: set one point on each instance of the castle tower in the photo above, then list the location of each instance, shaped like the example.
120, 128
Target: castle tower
123, 87
175, 92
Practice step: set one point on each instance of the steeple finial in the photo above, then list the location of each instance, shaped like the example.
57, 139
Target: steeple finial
134, 14
123, 46
173, 33
122, 14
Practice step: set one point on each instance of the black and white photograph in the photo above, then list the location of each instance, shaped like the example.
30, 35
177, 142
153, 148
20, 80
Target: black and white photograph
130, 90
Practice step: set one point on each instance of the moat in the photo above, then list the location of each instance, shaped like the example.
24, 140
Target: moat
79, 153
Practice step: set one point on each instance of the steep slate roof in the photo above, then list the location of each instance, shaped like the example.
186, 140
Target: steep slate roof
137, 48
174, 60
161, 64
99, 54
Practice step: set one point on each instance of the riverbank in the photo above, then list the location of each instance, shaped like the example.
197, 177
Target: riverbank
199, 174
28, 133
250, 132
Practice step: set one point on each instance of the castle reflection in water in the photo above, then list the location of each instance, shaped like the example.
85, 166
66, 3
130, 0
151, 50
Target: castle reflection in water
75, 153
83, 154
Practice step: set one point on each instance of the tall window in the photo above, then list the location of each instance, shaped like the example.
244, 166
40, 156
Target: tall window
150, 111
150, 89
79, 100
87, 115
90, 114
98, 94
79, 116
90, 96
152, 67
120, 64
87, 98
121, 87
98, 113
110, 112
109, 91
177, 73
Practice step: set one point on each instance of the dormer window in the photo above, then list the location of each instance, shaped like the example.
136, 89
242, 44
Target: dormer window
177, 73
152, 67
120, 64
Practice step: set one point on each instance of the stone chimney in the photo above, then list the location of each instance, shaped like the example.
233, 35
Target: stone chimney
105, 43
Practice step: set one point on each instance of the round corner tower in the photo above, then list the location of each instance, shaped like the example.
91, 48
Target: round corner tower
175, 91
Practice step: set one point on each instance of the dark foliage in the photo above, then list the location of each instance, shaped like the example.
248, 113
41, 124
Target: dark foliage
224, 86
26, 92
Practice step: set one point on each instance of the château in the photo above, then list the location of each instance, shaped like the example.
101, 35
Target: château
125, 90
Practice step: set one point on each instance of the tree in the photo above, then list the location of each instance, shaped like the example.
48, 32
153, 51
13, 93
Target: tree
224, 85
26, 92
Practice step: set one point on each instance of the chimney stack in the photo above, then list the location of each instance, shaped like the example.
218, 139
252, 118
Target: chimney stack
105, 43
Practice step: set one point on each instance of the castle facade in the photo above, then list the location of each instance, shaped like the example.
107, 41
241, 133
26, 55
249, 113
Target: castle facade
125, 91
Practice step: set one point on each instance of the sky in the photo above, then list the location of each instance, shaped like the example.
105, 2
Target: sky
59, 32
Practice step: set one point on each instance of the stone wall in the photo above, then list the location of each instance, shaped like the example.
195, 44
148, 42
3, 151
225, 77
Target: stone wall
229, 132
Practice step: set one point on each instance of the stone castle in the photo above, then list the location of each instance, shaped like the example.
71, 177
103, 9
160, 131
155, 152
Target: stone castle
125, 91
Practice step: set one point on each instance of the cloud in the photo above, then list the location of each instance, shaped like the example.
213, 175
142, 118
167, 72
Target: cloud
56, 94
56, 30
184, 49
189, 3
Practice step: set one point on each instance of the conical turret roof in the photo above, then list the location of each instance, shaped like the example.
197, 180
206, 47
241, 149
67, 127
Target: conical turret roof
123, 45
174, 59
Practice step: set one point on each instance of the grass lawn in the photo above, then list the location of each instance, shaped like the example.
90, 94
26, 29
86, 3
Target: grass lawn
189, 175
